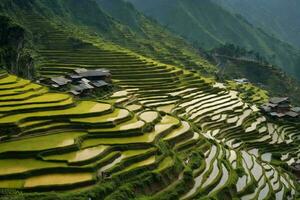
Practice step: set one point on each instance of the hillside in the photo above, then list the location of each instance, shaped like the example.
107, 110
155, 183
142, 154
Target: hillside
167, 132
208, 25
235, 63
277, 17
264, 76
150, 39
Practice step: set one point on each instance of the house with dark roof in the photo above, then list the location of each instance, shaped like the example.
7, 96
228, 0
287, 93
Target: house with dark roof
80, 70
94, 75
296, 170
60, 81
241, 80
99, 84
81, 89
279, 100
55, 82
296, 109
280, 107
276, 114
75, 77
81, 82
292, 114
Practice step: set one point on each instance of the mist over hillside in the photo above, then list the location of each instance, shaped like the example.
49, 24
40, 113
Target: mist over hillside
209, 25
280, 18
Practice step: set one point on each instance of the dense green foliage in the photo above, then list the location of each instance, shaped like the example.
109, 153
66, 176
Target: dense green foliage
277, 17
148, 38
123, 12
13, 56
209, 25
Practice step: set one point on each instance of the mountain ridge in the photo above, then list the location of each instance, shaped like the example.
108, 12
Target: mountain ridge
206, 24
277, 17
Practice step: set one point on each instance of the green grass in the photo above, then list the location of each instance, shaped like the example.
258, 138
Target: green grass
118, 114
12, 184
8, 80
131, 153
19, 166
166, 124
83, 108
129, 125
18, 84
185, 127
249, 92
17, 91
44, 98
148, 161
79, 156
49, 105
57, 179
164, 164
40, 143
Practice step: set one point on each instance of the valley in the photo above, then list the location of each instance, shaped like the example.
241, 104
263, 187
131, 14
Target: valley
168, 130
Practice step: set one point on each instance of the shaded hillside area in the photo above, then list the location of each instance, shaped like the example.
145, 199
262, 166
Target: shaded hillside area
13, 55
277, 17
151, 39
208, 25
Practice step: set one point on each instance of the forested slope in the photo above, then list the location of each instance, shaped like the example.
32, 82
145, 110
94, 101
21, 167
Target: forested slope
208, 25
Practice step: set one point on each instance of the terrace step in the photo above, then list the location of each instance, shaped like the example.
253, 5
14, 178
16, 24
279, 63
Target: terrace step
162, 128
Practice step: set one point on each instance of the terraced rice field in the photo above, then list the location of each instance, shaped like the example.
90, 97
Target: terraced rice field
76, 144
101, 142
166, 122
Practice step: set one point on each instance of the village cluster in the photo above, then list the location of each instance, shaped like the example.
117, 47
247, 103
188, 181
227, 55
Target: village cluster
280, 107
277, 107
81, 81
